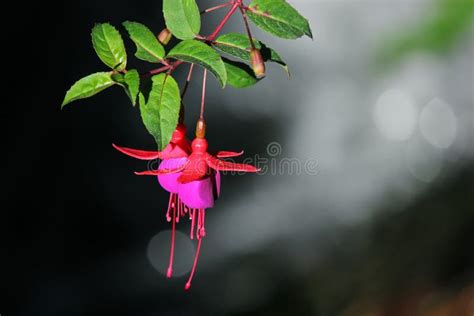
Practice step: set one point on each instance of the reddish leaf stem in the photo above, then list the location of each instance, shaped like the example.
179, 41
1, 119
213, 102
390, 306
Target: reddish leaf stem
235, 6
156, 71
217, 7
170, 67
247, 27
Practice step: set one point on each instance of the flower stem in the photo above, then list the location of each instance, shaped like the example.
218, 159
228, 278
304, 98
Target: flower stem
203, 98
247, 27
188, 79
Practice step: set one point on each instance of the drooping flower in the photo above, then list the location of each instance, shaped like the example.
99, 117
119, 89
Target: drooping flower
174, 155
199, 184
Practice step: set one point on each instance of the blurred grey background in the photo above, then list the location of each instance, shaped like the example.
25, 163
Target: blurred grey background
378, 115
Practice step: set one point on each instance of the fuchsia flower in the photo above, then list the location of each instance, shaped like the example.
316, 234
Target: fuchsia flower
199, 184
173, 156
192, 177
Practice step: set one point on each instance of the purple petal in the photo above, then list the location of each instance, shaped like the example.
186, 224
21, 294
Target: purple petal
169, 182
201, 193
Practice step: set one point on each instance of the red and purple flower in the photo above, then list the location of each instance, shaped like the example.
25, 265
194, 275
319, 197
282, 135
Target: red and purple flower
191, 175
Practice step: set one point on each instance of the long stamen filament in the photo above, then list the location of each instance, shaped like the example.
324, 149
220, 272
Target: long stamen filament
169, 273
193, 271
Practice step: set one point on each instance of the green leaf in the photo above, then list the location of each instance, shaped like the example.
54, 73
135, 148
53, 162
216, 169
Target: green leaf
88, 86
132, 79
269, 54
130, 82
279, 18
239, 75
182, 18
108, 45
196, 52
238, 45
148, 47
160, 113
235, 44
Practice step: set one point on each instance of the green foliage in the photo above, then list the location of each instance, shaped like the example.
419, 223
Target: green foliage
279, 18
436, 34
88, 86
130, 81
148, 47
160, 113
238, 45
108, 45
196, 52
182, 18
239, 75
160, 107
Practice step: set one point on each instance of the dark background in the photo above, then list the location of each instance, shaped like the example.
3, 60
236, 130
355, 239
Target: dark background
78, 223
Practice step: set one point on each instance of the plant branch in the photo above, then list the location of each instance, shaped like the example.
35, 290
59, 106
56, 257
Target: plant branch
156, 71
235, 6
247, 27
217, 7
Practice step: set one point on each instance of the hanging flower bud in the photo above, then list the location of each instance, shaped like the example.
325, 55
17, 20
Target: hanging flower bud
201, 129
165, 36
258, 65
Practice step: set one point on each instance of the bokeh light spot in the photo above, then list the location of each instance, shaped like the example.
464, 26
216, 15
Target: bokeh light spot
423, 161
395, 115
159, 251
438, 124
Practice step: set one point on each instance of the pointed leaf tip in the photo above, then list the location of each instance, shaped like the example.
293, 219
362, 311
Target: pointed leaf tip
148, 47
182, 18
88, 86
109, 46
279, 18
160, 113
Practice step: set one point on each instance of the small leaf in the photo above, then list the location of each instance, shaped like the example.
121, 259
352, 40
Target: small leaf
196, 52
132, 80
148, 47
182, 18
238, 45
108, 45
239, 75
279, 18
160, 113
88, 86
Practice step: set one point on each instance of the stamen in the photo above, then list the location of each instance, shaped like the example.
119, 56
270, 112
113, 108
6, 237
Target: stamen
188, 284
183, 208
199, 225
169, 273
168, 217
203, 221
177, 207
193, 223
